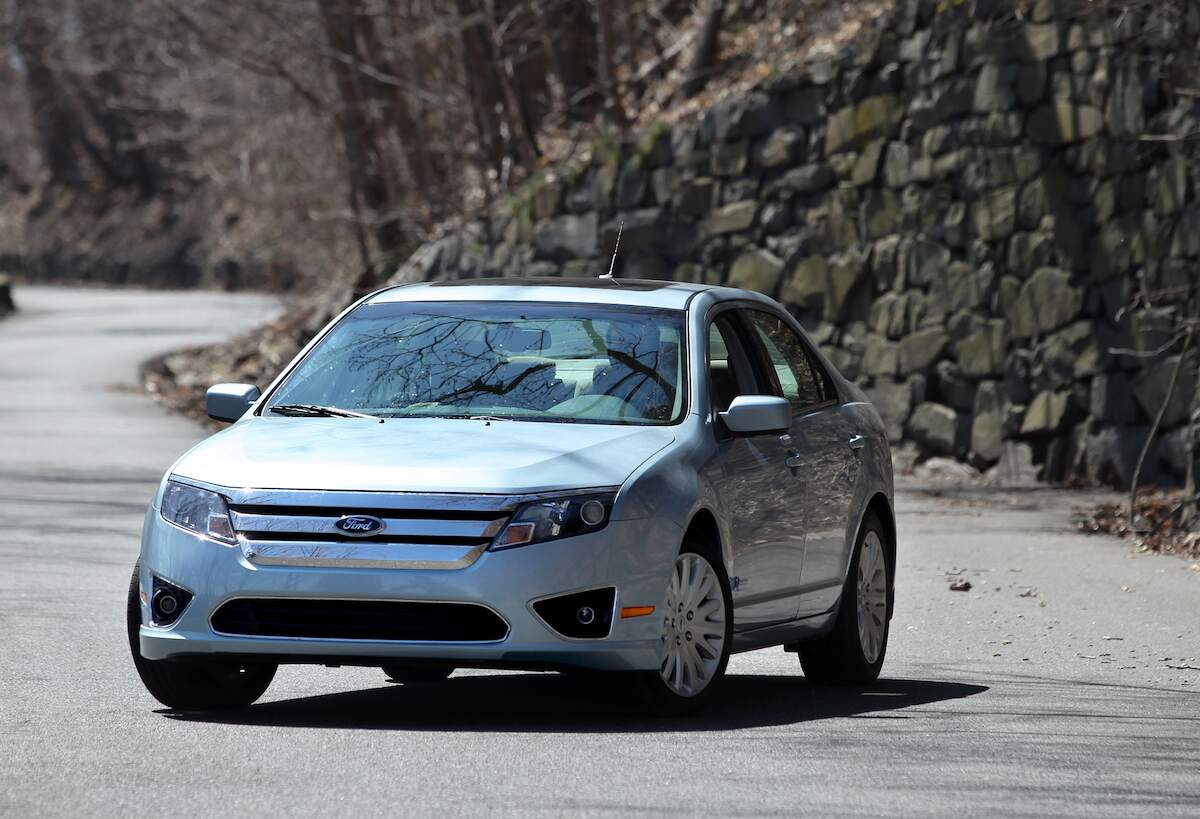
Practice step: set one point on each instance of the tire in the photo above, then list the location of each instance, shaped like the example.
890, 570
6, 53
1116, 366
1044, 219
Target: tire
844, 656
194, 685
672, 690
422, 673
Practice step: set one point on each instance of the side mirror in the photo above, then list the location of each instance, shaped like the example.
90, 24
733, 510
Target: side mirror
757, 415
229, 402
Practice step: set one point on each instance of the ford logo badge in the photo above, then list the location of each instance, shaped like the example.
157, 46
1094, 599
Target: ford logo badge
359, 525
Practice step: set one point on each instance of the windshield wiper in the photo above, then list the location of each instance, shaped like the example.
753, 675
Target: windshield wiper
317, 411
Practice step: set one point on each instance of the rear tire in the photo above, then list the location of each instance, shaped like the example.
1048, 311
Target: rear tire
852, 653
697, 634
424, 673
193, 685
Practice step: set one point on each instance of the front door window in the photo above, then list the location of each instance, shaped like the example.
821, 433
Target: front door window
755, 486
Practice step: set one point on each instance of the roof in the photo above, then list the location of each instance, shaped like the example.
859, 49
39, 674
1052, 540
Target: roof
632, 292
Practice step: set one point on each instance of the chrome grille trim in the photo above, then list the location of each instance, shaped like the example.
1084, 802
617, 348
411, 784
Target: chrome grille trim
394, 528
422, 532
365, 502
361, 555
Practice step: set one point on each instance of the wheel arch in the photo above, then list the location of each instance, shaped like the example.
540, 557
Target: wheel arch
703, 527
882, 509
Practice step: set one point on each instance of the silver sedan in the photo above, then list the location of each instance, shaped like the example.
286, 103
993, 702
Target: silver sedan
622, 476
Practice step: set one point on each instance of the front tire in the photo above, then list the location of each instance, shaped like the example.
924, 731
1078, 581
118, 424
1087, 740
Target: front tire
852, 653
193, 685
697, 633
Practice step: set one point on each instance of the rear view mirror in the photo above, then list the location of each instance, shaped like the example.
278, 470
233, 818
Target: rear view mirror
757, 415
229, 402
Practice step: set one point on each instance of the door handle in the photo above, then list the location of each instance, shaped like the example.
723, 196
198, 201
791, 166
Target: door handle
857, 442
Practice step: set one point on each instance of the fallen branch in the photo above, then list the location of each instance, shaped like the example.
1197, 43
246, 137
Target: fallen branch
1175, 510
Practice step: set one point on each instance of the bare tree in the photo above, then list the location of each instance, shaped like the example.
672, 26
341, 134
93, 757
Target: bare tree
295, 136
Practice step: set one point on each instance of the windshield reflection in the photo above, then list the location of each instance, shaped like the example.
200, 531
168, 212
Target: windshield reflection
508, 360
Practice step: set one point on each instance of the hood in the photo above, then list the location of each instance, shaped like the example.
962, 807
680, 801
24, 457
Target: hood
420, 455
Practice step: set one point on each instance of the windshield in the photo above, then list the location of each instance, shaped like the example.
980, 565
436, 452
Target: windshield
503, 360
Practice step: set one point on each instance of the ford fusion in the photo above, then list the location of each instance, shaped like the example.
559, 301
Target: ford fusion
638, 478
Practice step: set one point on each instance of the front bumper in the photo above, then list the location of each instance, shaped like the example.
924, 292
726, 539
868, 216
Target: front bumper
634, 556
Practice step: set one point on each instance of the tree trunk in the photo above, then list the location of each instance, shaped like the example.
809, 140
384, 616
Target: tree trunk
520, 123
604, 65
389, 110
705, 54
574, 36
362, 138
635, 83
1191, 511
479, 71
563, 78
419, 66
56, 121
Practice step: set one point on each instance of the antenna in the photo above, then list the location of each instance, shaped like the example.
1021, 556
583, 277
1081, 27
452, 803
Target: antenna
616, 246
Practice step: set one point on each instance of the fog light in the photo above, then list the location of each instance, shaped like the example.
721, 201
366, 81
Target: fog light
167, 602
585, 615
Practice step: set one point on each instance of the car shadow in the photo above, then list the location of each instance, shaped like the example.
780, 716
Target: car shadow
564, 703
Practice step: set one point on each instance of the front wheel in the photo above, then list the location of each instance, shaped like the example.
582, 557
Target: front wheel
210, 685
852, 653
697, 631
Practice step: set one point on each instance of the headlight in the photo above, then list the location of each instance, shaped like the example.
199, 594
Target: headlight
197, 510
554, 518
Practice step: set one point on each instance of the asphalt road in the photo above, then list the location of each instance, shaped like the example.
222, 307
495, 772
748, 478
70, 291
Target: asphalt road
1066, 682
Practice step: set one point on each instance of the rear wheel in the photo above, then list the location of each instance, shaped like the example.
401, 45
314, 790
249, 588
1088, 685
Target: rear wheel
852, 653
424, 673
697, 631
194, 685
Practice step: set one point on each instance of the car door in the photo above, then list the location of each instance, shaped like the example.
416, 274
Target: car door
756, 488
825, 459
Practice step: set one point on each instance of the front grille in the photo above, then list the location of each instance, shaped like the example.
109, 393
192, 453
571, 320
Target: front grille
416, 531
411, 526
406, 621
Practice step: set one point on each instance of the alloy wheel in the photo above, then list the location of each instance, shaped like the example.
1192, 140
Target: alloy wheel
872, 596
693, 635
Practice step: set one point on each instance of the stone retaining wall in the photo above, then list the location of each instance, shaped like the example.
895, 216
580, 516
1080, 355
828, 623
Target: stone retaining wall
961, 207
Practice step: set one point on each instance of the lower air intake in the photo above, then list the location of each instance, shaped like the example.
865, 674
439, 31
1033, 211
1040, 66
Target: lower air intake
405, 621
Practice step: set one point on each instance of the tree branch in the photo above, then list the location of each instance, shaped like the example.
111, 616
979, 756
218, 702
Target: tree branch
1158, 419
